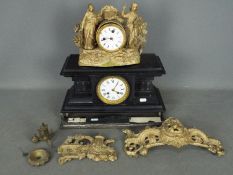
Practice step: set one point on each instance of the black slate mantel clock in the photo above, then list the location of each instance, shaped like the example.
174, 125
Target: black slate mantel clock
112, 78
83, 107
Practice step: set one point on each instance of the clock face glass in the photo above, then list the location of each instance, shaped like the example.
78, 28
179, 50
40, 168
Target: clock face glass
113, 90
111, 37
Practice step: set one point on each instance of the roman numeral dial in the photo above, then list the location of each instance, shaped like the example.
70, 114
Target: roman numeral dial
111, 37
113, 90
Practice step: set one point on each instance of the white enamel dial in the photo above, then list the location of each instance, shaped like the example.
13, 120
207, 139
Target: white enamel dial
113, 90
111, 37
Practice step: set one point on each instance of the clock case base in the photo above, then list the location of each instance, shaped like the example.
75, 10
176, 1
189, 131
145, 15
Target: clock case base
83, 109
76, 125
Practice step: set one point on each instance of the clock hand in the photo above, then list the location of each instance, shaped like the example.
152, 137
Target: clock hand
110, 38
115, 86
117, 92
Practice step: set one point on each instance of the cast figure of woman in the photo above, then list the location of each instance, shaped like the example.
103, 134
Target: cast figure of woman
88, 27
131, 17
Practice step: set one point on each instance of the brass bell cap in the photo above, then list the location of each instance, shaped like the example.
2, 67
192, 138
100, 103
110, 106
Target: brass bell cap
38, 157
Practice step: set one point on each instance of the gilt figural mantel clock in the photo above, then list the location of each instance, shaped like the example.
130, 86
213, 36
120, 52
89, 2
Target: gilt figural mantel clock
112, 78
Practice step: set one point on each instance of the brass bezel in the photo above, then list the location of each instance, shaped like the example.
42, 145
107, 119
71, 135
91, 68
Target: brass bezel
113, 102
107, 24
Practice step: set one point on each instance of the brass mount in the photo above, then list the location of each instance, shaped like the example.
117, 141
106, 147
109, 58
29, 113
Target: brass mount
80, 146
38, 157
43, 134
171, 132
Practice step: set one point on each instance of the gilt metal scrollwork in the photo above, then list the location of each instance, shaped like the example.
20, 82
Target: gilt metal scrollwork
171, 132
80, 146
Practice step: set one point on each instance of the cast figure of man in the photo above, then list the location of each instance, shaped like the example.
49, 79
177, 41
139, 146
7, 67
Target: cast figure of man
88, 27
131, 17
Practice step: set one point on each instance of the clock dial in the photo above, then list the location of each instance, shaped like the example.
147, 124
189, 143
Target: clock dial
113, 90
111, 37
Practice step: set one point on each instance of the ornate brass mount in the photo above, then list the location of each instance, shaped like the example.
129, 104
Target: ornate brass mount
132, 27
43, 134
38, 157
80, 146
172, 133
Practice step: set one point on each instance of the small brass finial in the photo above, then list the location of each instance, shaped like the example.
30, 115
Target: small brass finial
43, 134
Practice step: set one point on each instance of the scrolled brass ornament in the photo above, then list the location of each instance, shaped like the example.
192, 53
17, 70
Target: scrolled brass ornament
38, 157
81, 146
171, 132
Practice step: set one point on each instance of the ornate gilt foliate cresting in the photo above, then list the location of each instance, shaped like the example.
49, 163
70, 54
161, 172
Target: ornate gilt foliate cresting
172, 133
80, 146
